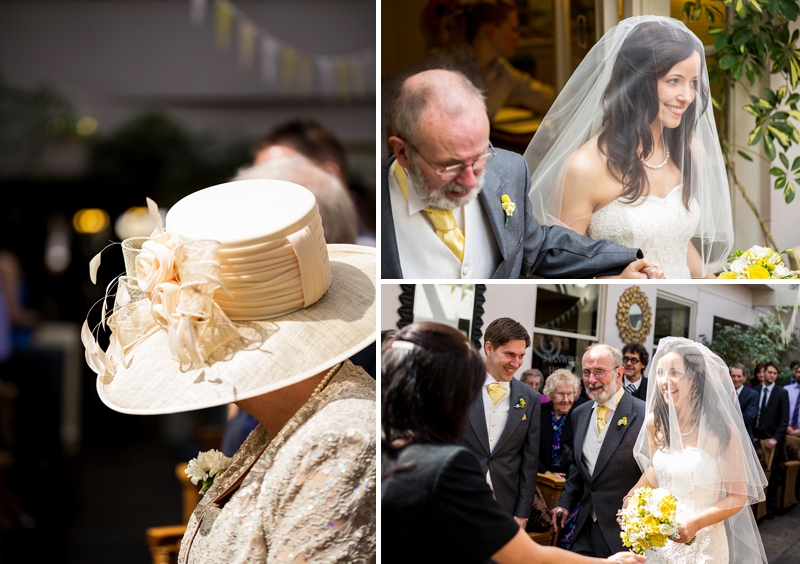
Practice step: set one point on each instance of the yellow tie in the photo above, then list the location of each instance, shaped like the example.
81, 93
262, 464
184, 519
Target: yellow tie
496, 392
443, 220
601, 417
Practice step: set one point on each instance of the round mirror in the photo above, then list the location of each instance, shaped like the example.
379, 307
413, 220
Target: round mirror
635, 317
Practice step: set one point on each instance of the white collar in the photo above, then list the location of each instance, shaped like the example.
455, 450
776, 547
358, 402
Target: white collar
490, 380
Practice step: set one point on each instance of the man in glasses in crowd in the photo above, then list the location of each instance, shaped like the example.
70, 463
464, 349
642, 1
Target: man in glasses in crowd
605, 470
453, 206
634, 361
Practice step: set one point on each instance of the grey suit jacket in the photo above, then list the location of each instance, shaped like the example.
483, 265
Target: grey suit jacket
526, 247
615, 471
513, 463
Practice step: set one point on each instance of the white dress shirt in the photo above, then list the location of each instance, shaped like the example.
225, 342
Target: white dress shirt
423, 255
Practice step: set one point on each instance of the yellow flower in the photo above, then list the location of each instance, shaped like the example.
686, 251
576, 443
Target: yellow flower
727, 275
756, 272
505, 199
522, 402
621, 422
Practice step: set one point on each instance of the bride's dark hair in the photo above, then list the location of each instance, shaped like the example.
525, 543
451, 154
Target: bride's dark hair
630, 105
694, 364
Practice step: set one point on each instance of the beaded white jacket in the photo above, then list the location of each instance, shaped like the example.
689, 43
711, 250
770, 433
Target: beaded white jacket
308, 495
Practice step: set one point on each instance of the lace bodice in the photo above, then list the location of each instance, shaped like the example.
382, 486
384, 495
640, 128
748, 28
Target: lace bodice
661, 227
676, 472
307, 495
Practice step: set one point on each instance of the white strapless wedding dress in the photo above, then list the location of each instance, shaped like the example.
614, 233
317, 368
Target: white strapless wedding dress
661, 227
675, 473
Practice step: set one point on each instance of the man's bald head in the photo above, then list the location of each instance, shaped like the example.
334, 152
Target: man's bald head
432, 96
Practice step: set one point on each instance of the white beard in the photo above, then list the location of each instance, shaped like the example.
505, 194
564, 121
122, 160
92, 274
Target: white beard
437, 198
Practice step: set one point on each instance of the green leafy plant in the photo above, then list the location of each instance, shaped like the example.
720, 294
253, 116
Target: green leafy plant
761, 342
754, 44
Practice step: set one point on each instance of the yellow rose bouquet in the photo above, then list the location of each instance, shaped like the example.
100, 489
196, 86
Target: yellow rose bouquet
649, 520
757, 263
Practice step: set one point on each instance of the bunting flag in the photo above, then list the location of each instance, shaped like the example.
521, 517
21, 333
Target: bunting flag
282, 66
224, 13
247, 44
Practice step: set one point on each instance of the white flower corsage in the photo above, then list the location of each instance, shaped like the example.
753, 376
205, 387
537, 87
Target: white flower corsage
508, 207
206, 467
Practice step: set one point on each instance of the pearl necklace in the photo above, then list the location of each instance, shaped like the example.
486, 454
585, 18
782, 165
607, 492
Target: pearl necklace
656, 167
324, 382
689, 432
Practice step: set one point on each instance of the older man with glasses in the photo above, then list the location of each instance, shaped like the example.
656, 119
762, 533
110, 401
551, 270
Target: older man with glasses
604, 469
453, 206
634, 361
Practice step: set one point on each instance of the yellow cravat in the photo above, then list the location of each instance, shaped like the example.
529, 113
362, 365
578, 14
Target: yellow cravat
601, 417
443, 220
496, 392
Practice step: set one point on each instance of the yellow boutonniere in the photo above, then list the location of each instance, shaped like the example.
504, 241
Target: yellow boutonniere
621, 422
508, 207
520, 403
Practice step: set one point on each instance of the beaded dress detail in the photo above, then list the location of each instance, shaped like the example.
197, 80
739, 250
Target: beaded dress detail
676, 472
306, 495
661, 227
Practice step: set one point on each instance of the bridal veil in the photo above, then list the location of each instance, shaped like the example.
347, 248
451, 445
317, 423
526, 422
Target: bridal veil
587, 105
699, 383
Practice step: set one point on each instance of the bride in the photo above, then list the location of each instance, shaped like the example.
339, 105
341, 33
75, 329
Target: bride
629, 151
694, 445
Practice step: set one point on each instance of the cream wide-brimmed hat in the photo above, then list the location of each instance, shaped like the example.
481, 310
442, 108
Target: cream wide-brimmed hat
238, 295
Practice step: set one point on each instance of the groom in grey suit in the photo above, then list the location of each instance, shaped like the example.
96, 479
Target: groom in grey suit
445, 165
604, 470
503, 427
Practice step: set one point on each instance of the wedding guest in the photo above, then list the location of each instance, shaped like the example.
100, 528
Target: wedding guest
793, 390
634, 361
758, 375
435, 503
533, 378
556, 435
771, 423
492, 36
748, 399
274, 344
604, 468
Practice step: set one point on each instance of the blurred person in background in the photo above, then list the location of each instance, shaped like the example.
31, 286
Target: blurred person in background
435, 503
758, 375
319, 144
534, 378
492, 33
634, 361
748, 399
771, 423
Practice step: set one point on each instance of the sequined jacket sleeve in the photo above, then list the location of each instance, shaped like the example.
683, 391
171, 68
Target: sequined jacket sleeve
319, 498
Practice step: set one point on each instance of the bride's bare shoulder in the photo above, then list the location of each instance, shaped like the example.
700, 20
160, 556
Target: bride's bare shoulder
588, 175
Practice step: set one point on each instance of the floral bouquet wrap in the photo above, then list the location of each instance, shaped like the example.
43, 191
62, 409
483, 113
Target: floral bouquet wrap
649, 520
757, 263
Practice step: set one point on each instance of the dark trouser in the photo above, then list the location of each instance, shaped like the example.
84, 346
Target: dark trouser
589, 541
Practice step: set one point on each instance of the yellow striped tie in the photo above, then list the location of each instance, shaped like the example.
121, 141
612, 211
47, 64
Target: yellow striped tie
443, 220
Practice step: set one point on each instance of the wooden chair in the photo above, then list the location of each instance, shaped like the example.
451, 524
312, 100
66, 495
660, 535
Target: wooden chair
551, 488
768, 456
165, 542
787, 496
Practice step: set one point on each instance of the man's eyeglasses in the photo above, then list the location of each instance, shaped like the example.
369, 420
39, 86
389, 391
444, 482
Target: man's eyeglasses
599, 373
453, 171
631, 359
